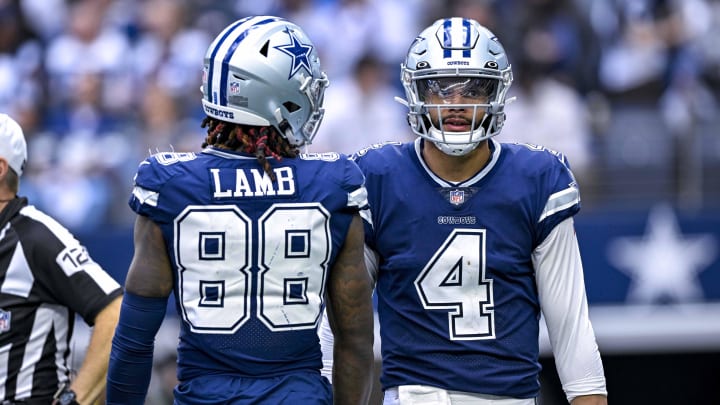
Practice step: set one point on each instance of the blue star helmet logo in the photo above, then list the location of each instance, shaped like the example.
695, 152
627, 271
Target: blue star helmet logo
299, 53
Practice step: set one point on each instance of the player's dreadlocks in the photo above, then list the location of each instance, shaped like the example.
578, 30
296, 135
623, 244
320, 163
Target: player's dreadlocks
260, 141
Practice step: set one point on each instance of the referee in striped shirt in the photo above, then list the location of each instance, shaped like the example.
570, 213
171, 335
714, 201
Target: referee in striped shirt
46, 278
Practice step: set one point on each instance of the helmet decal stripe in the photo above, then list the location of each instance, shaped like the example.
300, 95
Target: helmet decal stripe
233, 44
466, 40
447, 39
457, 36
225, 69
219, 43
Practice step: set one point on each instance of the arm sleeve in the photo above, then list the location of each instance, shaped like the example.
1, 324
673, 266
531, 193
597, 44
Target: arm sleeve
327, 342
561, 288
131, 355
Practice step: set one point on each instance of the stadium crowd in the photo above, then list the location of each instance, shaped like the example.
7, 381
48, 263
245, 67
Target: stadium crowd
618, 86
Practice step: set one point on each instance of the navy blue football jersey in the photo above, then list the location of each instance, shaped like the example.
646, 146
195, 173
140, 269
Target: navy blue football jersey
457, 299
250, 256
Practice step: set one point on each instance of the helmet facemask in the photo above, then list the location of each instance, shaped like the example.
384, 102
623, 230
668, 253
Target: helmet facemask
315, 90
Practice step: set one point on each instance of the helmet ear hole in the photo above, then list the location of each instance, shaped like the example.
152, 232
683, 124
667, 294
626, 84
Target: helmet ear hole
290, 106
264, 49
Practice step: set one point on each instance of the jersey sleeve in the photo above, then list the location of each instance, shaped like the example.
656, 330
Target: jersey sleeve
69, 273
560, 194
353, 182
148, 184
373, 162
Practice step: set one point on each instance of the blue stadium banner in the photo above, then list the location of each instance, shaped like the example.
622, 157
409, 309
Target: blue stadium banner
652, 279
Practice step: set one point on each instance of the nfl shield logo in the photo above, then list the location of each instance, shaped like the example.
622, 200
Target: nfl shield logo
457, 197
234, 87
4, 321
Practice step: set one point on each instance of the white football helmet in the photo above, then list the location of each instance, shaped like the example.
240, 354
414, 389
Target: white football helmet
263, 71
463, 49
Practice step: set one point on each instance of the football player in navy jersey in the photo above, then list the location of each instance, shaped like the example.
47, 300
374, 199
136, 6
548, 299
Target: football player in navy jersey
253, 239
471, 240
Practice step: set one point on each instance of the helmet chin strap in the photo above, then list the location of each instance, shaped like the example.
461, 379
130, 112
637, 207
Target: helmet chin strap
455, 149
284, 127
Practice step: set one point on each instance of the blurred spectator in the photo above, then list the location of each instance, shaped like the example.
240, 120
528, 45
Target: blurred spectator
89, 48
159, 119
345, 30
482, 11
555, 36
67, 182
396, 19
168, 48
20, 67
648, 45
550, 113
81, 111
652, 57
708, 49
49, 17
342, 32
361, 110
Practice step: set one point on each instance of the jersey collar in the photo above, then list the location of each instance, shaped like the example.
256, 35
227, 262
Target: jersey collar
495, 148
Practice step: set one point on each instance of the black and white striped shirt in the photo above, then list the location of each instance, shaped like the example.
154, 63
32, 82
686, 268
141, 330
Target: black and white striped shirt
46, 277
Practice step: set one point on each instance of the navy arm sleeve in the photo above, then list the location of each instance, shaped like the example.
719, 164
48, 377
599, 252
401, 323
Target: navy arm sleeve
131, 355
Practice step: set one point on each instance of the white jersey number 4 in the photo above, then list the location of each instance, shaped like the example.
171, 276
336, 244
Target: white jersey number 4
454, 280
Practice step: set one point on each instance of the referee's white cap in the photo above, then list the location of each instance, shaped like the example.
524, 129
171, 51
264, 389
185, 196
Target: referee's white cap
12, 143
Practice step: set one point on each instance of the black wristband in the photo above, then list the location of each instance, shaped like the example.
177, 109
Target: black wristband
65, 396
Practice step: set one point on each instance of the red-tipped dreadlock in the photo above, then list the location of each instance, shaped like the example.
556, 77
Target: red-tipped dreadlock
260, 141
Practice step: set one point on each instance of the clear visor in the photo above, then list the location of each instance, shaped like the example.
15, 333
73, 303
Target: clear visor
472, 88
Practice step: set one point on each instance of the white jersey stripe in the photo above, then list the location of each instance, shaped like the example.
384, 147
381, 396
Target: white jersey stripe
47, 318
18, 278
560, 201
4, 361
